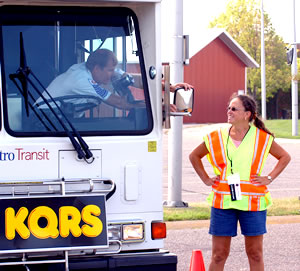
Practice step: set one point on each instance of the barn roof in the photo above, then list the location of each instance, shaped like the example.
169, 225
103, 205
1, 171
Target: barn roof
211, 35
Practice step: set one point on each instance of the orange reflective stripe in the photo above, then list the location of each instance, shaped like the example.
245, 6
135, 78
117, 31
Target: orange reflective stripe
222, 187
246, 188
217, 152
217, 201
261, 142
250, 188
254, 203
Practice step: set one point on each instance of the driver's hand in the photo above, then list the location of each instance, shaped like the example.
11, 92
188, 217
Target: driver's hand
173, 108
184, 85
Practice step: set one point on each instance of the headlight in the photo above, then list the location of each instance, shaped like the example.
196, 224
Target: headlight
126, 232
133, 232
114, 232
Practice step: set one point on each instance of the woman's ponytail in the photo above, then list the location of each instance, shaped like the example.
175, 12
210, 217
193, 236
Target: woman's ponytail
260, 125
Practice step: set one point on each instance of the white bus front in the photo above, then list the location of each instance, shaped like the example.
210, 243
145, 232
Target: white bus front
81, 181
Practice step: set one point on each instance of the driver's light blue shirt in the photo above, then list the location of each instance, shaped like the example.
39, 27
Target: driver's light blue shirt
77, 80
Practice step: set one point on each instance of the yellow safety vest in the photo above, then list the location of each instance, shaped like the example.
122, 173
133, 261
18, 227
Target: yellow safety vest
247, 159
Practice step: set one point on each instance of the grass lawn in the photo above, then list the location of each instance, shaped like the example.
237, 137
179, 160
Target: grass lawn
282, 128
201, 211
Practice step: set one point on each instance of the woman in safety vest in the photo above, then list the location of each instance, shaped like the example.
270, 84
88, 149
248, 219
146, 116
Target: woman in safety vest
239, 192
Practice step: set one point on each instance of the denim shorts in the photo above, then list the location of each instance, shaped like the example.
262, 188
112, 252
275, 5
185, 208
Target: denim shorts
223, 222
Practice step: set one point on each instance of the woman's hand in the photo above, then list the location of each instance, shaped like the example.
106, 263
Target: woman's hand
260, 180
212, 181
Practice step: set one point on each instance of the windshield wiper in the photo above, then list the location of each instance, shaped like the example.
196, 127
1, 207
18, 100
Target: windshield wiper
22, 74
13, 78
25, 72
87, 155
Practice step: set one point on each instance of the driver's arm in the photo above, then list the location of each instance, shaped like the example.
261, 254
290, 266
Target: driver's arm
121, 102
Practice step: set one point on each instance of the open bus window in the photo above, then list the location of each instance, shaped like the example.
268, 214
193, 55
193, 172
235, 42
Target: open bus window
58, 41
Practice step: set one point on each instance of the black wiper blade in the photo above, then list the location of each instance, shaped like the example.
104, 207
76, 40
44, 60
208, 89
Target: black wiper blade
23, 69
23, 62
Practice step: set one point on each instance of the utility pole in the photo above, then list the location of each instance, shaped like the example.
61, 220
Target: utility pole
175, 133
263, 66
294, 89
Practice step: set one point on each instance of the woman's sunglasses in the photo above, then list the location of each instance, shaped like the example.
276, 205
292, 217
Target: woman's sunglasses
233, 109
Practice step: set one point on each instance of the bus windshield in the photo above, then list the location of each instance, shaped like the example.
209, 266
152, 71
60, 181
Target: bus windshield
82, 66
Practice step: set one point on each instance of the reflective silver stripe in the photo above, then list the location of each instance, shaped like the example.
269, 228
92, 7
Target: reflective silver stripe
252, 194
243, 193
249, 203
221, 202
221, 192
212, 153
263, 154
214, 200
243, 182
248, 182
255, 146
223, 154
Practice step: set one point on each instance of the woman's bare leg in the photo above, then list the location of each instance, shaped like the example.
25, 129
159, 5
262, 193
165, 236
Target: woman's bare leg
254, 250
220, 252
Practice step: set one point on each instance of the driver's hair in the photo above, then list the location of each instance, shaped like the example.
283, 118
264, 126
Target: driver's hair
100, 57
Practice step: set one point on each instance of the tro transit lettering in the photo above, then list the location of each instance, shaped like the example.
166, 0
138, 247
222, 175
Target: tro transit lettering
22, 155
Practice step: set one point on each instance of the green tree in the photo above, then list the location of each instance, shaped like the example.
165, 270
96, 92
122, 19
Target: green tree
242, 19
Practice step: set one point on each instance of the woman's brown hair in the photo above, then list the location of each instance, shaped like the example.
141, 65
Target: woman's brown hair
250, 105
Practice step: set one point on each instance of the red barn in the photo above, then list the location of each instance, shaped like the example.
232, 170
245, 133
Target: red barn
216, 70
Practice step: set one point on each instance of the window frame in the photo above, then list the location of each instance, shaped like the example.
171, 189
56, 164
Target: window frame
36, 15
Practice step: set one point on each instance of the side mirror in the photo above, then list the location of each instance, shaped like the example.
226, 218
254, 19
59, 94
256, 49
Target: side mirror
184, 101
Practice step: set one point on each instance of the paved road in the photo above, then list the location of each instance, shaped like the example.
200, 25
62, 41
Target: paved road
281, 244
281, 247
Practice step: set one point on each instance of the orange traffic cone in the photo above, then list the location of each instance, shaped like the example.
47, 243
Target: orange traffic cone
197, 263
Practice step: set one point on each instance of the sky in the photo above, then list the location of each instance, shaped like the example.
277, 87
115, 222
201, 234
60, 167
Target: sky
198, 13
280, 12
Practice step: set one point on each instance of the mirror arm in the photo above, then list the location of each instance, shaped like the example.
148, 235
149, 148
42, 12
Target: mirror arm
180, 114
